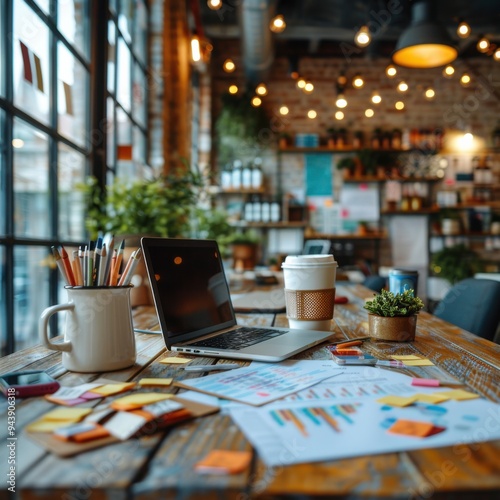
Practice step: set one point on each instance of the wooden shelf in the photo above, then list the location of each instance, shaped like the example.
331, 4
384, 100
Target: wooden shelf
372, 178
368, 236
424, 211
327, 149
466, 235
241, 191
271, 225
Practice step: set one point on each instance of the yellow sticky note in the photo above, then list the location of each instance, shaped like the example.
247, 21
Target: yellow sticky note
46, 425
155, 381
174, 360
459, 394
66, 414
110, 389
397, 400
434, 398
406, 356
138, 400
418, 362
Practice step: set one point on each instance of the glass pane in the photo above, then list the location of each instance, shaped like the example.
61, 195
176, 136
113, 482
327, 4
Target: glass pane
112, 6
124, 75
110, 135
31, 181
3, 304
125, 19
139, 96
44, 5
111, 56
139, 153
124, 153
72, 106
2, 176
140, 31
71, 171
31, 63
72, 22
31, 292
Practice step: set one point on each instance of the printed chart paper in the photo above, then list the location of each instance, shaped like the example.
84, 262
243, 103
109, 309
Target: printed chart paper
260, 384
287, 433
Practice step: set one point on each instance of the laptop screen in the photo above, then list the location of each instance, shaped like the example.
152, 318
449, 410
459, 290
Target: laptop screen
189, 287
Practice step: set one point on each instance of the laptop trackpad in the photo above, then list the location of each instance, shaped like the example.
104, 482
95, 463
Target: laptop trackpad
287, 342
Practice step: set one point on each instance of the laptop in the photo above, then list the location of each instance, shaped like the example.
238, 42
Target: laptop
194, 307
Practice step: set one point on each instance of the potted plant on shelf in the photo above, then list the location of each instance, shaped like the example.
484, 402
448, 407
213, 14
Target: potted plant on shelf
455, 263
347, 165
245, 250
393, 316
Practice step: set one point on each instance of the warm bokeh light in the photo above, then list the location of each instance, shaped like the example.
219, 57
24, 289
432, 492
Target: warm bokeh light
261, 89
284, 110
391, 71
339, 115
308, 87
195, 49
402, 86
301, 83
430, 93
312, 114
465, 80
229, 66
233, 89
362, 37
278, 24
214, 4
463, 30
496, 55
369, 112
448, 71
358, 82
400, 105
483, 45
376, 98
256, 102
341, 101
17, 143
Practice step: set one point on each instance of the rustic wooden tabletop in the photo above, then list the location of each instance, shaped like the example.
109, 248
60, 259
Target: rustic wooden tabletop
161, 465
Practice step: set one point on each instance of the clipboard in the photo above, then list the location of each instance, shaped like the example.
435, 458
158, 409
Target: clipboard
69, 448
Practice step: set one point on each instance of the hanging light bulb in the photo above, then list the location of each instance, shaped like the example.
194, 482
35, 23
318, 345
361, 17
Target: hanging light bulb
284, 110
256, 102
369, 113
358, 82
376, 98
448, 71
400, 105
308, 87
233, 89
483, 45
496, 54
301, 83
430, 93
463, 30
402, 86
363, 37
312, 114
277, 24
261, 89
229, 66
339, 115
391, 71
341, 101
465, 80
214, 4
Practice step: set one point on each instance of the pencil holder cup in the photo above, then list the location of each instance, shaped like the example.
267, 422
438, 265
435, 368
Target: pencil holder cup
99, 334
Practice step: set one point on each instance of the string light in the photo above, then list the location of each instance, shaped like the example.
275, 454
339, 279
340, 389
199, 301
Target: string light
463, 30
233, 89
277, 24
376, 98
369, 113
341, 101
496, 54
195, 49
399, 105
362, 37
483, 45
448, 71
402, 86
284, 110
308, 87
339, 115
465, 80
301, 83
358, 82
391, 71
256, 102
214, 4
312, 114
229, 66
261, 89
430, 93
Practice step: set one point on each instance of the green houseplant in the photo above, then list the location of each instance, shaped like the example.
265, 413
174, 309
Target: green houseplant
393, 316
455, 263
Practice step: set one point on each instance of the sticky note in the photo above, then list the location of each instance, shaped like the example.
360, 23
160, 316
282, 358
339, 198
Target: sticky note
224, 462
414, 428
66, 414
155, 381
138, 400
397, 400
406, 356
46, 425
459, 394
418, 362
124, 424
110, 389
434, 398
425, 382
174, 360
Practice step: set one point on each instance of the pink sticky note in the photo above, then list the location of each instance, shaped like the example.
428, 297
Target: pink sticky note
425, 382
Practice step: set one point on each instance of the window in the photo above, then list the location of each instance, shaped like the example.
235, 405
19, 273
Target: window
46, 138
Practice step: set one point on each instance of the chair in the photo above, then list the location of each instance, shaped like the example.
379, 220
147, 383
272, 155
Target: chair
375, 283
472, 304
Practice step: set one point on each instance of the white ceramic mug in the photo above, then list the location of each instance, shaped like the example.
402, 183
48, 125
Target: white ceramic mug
99, 333
310, 290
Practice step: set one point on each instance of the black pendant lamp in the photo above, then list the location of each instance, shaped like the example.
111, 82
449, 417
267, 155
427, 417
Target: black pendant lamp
425, 43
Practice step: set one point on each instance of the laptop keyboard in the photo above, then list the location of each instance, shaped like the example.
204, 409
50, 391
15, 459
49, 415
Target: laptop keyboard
239, 338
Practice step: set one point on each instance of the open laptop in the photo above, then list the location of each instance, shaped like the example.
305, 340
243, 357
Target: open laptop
194, 306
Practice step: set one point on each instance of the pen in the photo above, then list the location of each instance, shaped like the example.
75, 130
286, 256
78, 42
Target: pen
211, 368
67, 266
60, 265
117, 264
129, 270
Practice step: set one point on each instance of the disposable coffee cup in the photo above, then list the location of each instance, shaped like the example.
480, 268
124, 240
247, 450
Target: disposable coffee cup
401, 280
309, 291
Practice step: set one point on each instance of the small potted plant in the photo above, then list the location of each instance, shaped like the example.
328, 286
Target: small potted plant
393, 316
245, 248
347, 165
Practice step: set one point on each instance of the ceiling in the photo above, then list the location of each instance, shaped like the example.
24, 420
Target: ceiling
326, 28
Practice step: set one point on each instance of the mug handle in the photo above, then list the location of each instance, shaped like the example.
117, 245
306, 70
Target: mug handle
43, 325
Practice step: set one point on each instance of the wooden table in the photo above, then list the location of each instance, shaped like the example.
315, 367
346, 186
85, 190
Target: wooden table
161, 465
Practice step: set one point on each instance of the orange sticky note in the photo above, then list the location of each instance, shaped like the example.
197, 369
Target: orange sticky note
414, 428
224, 462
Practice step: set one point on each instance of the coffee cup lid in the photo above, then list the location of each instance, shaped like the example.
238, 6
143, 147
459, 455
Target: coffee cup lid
309, 260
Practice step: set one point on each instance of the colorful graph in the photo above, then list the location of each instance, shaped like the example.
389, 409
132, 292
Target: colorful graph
304, 418
330, 390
